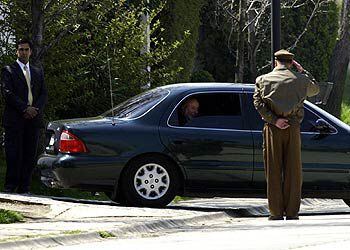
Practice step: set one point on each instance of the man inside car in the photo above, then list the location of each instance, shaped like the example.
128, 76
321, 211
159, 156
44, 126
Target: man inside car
188, 111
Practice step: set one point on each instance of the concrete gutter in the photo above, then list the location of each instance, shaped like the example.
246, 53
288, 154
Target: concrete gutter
124, 232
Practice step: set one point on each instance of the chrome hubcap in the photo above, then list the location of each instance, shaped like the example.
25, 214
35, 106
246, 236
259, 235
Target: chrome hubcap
151, 181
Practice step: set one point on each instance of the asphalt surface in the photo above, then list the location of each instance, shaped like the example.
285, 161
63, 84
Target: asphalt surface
53, 222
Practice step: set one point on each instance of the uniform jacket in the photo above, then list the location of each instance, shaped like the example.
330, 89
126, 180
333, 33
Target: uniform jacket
281, 93
14, 89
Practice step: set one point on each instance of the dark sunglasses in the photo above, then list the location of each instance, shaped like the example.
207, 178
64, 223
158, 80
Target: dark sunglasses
24, 49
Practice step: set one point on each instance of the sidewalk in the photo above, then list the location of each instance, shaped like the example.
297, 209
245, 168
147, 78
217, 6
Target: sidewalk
50, 222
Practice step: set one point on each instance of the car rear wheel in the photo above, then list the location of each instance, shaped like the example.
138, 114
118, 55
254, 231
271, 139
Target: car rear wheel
347, 201
150, 182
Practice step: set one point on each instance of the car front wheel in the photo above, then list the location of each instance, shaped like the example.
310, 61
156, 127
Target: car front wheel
150, 182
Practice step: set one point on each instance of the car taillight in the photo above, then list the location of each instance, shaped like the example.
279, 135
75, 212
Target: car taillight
69, 143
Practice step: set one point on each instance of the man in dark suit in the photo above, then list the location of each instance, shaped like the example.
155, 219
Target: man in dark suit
25, 95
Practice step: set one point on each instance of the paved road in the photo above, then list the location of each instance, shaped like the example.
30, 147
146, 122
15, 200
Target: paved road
310, 232
205, 222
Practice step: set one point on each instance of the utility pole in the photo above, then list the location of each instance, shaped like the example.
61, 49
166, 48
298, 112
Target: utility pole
275, 28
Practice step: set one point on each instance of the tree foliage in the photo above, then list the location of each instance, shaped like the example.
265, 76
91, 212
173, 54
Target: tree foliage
88, 44
316, 46
110, 37
202, 76
214, 53
339, 62
316, 36
80, 38
181, 17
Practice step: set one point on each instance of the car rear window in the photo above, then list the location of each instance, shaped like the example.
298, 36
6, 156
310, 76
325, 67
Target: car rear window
138, 105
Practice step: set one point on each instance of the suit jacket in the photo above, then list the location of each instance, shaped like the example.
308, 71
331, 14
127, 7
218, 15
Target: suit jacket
14, 89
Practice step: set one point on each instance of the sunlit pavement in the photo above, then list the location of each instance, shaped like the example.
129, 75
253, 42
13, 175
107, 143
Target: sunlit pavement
226, 222
310, 232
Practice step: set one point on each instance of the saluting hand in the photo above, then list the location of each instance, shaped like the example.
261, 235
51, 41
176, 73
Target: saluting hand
282, 123
298, 66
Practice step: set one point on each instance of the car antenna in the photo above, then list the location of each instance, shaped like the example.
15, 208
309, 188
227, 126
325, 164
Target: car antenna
110, 87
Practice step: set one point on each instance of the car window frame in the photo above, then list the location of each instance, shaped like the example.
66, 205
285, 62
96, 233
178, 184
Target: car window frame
239, 92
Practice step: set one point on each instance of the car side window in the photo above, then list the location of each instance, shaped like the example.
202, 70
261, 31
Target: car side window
255, 121
209, 110
310, 121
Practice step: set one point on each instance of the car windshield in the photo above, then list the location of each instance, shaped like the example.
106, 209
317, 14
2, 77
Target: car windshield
138, 105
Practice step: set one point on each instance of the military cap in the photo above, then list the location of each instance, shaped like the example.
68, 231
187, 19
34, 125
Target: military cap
284, 55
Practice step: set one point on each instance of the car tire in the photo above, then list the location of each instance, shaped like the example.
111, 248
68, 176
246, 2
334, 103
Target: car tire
150, 182
347, 202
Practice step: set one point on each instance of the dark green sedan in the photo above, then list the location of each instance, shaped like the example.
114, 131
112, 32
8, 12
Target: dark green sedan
145, 151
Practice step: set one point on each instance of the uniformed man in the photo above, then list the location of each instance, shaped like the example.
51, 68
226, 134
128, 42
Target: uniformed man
279, 97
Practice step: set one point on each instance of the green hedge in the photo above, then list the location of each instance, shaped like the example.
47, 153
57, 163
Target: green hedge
313, 50
178, 18
316, 46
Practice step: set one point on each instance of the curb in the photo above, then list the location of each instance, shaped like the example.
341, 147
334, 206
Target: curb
26, 199
14, 200
135, 230
124, 232
160, 226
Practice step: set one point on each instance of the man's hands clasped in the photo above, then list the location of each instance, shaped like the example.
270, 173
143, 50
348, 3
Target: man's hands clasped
282, 123
30, 112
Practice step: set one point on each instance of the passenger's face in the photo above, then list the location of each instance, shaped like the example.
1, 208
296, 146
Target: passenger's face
24, 52
192, 108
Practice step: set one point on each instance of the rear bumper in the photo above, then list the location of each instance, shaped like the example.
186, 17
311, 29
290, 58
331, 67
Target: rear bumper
46, 165
84, 172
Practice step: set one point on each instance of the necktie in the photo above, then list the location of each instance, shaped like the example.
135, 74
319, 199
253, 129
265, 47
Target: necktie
30, 95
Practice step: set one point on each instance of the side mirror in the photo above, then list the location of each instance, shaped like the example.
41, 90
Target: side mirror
322, 97
323, 127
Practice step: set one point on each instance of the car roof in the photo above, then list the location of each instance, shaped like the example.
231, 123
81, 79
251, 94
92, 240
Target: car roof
209, 86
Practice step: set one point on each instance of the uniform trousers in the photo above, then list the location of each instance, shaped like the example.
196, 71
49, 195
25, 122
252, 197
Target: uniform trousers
283, 169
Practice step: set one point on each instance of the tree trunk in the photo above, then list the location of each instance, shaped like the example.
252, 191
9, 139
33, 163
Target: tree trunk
37, 30
252, 47
240, 41
147, 47
339, 63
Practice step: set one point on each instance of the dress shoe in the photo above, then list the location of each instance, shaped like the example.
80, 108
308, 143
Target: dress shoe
22, 190
292, 217
26, 193
9, 190
273, 217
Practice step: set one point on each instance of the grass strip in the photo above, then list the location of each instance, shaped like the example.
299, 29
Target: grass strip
7, 216
105, 234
